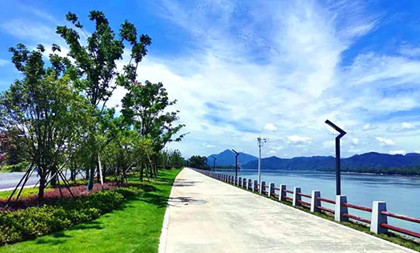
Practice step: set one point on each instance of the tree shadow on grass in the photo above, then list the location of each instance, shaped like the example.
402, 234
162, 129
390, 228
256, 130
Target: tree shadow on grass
157, 200
61, 236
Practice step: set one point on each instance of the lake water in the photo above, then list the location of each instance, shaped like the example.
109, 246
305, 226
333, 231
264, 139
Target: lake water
10, 180
401, 194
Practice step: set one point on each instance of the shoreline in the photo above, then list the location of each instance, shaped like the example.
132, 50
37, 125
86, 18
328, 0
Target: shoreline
323, 171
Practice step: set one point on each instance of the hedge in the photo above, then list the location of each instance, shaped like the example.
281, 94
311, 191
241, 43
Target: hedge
32, 222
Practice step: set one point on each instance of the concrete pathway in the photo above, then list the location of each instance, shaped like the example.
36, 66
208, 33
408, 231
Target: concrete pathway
206, 215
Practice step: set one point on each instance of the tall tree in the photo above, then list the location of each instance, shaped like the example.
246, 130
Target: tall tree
44, 108
146, 106
95, 65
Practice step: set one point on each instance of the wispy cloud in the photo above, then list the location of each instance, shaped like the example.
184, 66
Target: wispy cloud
22, 29
275, 69
385, 141
4, 62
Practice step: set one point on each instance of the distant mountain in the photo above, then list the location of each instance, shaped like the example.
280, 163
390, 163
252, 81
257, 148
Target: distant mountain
369, 162
296, 163
227, 158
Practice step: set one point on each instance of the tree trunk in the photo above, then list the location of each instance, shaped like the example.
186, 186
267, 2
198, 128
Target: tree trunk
91, 178
141, 172
41, 189
72, 175
104, 173
124, 174
155, 165
54, 177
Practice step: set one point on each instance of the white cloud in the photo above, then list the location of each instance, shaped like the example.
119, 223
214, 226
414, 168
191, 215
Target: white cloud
209, 145
299, 84
298, 139
407, 125
36, 32
355, 141
281, 62
270, 127
272, 152
409, 50
397, 152
328, 144
367, 127
385, 141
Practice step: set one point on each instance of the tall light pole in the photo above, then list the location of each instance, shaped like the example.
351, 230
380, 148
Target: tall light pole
337, 156
236, 162
261, 142
214, 163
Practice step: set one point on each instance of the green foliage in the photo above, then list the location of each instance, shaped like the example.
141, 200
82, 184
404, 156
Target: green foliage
171, 159
36, 221
95, 73
11, 150
198, 162
19, 167
58, 111
42, 110
145, 106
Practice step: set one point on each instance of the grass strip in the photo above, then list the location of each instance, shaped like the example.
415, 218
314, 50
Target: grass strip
135, 227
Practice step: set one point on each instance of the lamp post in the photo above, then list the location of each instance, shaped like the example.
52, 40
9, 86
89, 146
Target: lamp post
261, 142
236, 162
337, 156
214, 163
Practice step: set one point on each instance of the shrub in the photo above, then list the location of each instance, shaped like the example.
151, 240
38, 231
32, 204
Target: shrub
32, 222
128, 192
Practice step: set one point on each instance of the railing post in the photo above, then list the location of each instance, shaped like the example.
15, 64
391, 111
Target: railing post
340, 210
243, 182
249, 184
377, 218
271, 190
296, 196
282, 192
240, 181
262, 187
255, 185
315, 202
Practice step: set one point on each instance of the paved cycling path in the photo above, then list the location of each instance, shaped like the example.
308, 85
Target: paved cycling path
206, 215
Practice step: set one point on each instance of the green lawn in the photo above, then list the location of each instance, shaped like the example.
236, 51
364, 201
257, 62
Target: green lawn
135, 227
25, 192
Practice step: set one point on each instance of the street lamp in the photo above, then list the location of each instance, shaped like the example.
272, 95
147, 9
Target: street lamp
261, 142
236, 162
337, 156
214, 163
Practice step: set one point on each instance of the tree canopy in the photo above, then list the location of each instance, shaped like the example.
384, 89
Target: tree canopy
58, 112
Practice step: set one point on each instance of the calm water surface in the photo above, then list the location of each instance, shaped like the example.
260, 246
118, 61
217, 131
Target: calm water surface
401, 194
10, 180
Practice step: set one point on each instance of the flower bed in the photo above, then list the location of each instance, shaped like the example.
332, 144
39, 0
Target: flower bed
32, 221
54, 195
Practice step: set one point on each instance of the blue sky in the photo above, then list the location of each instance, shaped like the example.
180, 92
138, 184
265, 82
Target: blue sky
279, 69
